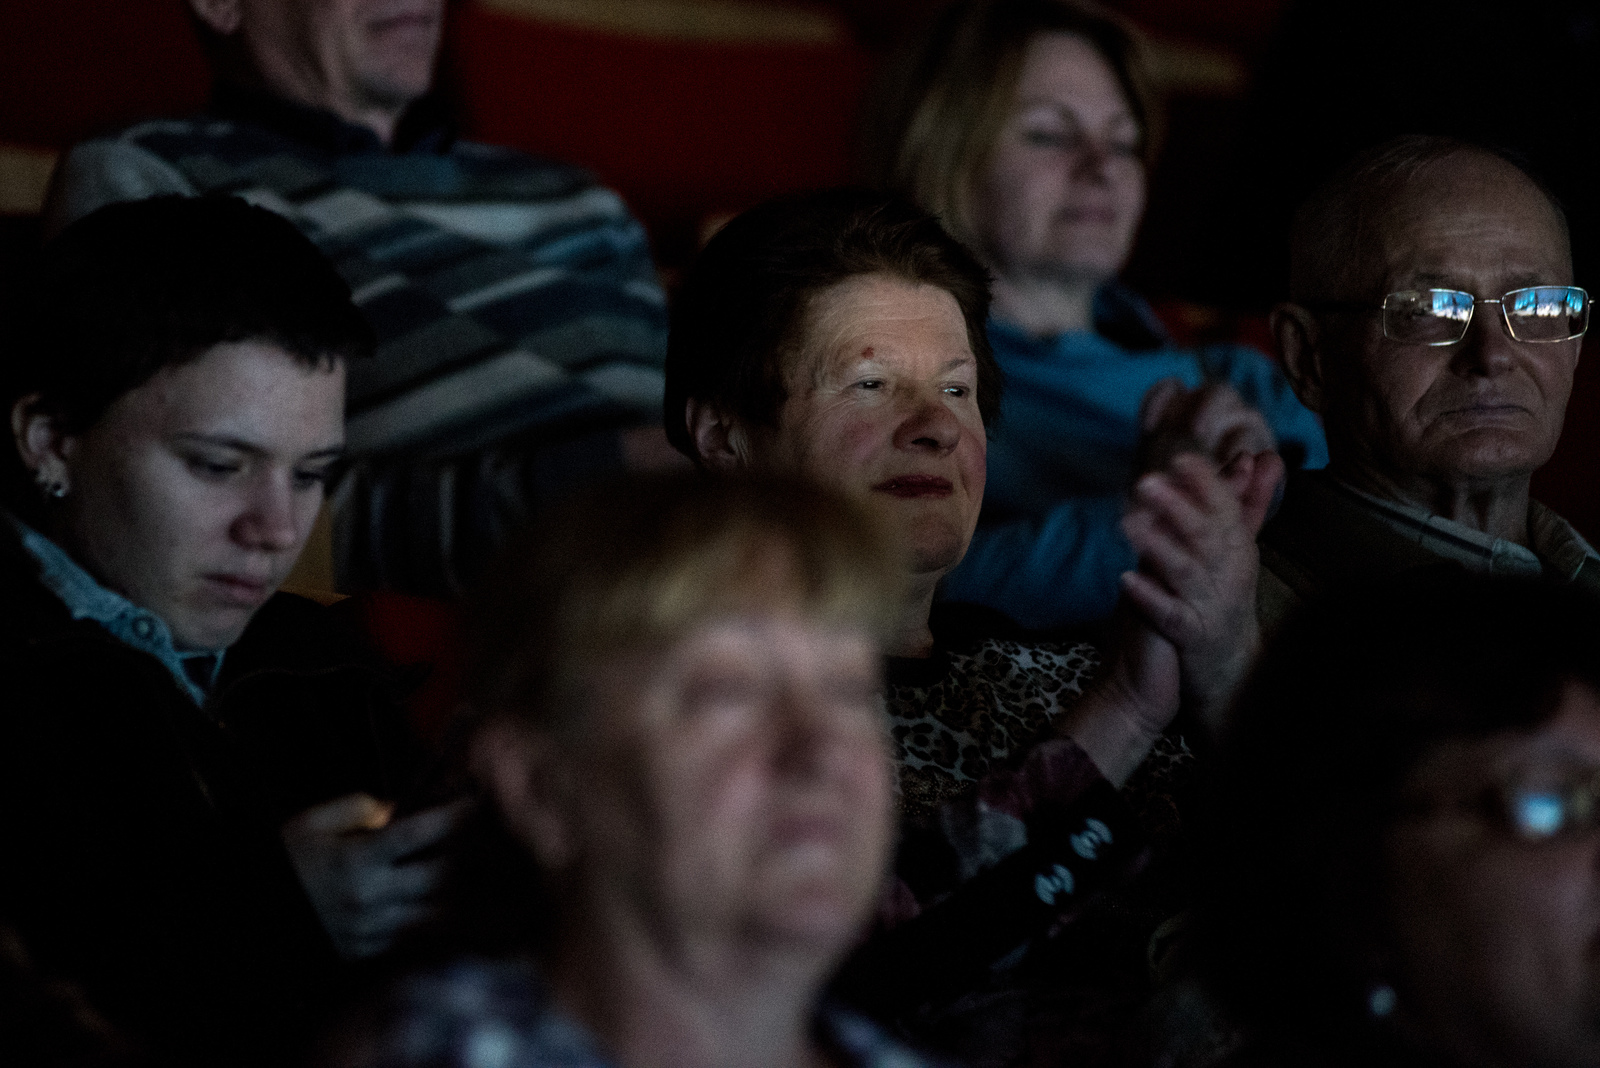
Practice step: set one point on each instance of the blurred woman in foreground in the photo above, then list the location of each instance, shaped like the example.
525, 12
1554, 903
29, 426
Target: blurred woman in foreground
679, 684
1406, 869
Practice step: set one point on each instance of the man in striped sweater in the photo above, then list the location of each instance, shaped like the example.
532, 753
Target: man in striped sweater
520, 322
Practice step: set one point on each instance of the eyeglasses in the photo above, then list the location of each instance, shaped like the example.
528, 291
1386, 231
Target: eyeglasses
1537, 314
1540, 812
1534, 809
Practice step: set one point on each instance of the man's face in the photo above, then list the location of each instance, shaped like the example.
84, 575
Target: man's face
883, 406
354, 55
737, 787
194, 494
1482, 410
1494, 937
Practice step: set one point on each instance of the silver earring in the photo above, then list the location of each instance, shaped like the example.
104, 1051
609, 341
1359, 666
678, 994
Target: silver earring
51, 487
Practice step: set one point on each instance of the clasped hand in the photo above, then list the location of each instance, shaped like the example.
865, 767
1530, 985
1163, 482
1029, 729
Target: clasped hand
1193, 522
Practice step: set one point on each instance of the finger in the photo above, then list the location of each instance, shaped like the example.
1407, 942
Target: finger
1170, 563
1157, 399
1165, 498
1169, 616
375, 931
1266, 475
403, 883
343, 815
419, 830
1224, 419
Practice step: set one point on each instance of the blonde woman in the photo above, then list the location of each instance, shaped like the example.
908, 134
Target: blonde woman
1028, 127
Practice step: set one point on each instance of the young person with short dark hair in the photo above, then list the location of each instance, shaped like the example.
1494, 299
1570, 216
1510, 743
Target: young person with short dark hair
189, 762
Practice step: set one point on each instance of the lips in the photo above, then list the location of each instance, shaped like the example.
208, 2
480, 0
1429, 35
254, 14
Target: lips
915, 486
240, 590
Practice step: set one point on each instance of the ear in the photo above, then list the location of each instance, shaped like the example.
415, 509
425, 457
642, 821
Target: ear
44, 449
722, 443
221, 16
532, 784
1299, 340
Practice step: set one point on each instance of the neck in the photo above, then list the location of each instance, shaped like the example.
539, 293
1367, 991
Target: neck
299, 81
1496, 507
912, 636
687, 1006
1045, 307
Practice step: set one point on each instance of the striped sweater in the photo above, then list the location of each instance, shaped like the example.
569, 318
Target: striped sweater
519, 319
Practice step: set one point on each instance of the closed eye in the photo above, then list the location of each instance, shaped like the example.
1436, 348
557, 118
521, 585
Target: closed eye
213, 469
305, 480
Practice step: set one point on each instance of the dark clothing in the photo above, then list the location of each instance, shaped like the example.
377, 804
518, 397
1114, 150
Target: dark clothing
140, 832
1328, 537
1016, 932
474, 1013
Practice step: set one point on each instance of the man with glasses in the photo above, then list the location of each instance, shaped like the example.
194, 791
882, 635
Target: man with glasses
1435, 328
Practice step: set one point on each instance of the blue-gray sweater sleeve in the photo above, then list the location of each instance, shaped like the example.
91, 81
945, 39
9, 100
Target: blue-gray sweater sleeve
1050, 570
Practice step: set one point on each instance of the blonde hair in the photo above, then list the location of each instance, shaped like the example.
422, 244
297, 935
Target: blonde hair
940, 107
640, 562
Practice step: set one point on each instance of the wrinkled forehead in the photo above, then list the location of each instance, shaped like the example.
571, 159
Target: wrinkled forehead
1466, 222
877, 316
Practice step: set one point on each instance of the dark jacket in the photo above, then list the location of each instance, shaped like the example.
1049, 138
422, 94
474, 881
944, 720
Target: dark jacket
1325, 538
139, 833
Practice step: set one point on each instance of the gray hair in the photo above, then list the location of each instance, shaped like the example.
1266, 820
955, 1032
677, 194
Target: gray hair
1338, 218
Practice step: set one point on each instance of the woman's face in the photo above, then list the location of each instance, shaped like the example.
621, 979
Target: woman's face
194, 494
736, 787
1063, 191
1496, 937
883, 405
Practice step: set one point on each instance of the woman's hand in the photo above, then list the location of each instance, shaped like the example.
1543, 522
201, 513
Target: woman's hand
1194, 529
1212, 420
358, 866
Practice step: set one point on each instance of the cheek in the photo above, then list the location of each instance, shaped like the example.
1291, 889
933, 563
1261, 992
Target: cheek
1507, 919
1013, 195
838, 446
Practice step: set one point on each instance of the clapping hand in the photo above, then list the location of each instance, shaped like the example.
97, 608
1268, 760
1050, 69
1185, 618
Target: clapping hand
1193, 527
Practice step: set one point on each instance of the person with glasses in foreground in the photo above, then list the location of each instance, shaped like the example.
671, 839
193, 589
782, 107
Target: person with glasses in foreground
1434, 327
1420, 884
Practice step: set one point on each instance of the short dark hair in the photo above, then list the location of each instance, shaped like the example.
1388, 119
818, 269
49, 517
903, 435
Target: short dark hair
1348, 699
1337, 218
141, 285
739, 311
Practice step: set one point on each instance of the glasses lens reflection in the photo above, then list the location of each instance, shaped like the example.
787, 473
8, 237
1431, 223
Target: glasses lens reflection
1441, 316
1547, 313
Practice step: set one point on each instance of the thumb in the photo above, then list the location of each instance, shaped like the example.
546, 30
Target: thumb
1156, 401
1260, 490
343, 815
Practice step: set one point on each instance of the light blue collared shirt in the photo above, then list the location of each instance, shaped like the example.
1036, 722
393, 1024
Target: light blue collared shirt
125, 621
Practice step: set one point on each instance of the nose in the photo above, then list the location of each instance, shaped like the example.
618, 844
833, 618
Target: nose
1488, 349
269, 520
1089, 163
807, 737
929, 425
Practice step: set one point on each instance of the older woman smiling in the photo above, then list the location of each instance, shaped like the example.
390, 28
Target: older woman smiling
840, 337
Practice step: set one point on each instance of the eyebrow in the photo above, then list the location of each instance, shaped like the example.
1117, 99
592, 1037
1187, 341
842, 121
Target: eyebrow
1435, 280
331, 452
